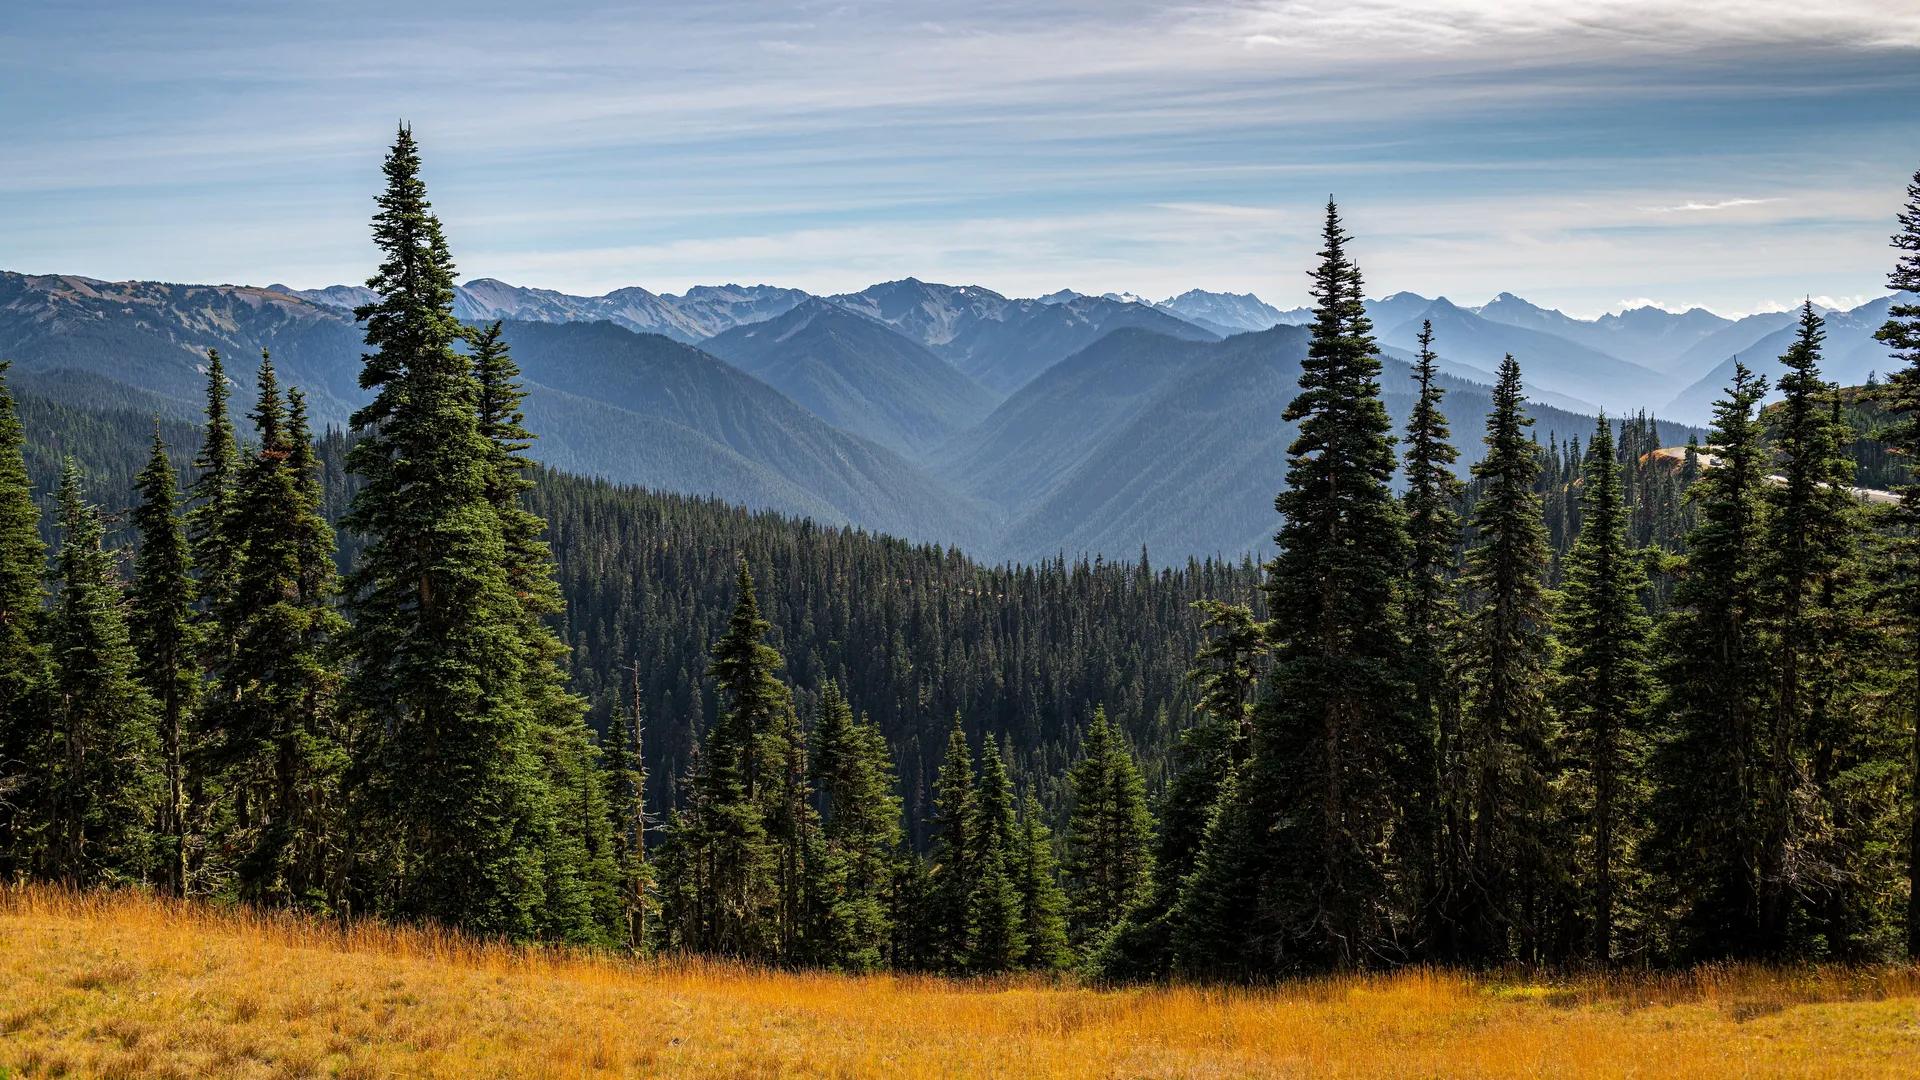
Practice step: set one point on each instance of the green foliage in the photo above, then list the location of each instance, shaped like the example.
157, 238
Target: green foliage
1109, 869
1043, 904
1333, 734
94, 760
1705, 843
1505, 767
1601, 694
22, 653
1902, 337
165, 635
860, 828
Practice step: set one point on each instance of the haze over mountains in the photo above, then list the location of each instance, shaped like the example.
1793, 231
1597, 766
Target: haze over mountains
1016, 428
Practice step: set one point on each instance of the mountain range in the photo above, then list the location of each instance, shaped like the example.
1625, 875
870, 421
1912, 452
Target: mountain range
1016, 428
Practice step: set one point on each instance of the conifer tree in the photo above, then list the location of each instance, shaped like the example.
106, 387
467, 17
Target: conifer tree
1433, 532
1109, 867
582, 894
439, 656
279, 748
995, 909
210, 501
860, 826
1706, 841
637, 875
1901, 333
1227, 670
1309, 855
1602, 689
1502, 657
724, 834
98, 759
23, 561
1814, 849
953, 873
1043, 905
165, 638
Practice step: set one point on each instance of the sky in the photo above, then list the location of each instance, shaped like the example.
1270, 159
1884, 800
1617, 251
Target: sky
1732, 154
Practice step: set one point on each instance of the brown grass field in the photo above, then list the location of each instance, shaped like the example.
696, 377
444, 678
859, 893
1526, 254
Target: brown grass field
129, 986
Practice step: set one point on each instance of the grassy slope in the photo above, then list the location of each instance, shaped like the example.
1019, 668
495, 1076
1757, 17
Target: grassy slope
127, 986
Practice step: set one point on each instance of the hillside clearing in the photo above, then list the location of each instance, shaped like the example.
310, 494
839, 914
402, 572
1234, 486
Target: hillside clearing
126, 985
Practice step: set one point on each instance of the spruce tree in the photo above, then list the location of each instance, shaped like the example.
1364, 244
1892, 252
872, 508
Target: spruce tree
1043, 904
98, 760
210, 501
1602, 687
582, 895
1227, 671
724, 833
637, 875
1706, 842
953, 872
1433, 533
1109, 868
995, 910
438, 653
1814, 869
281, 756
860, 826
1501, 662
1310, 862
165, 636
1901, 333
23, 562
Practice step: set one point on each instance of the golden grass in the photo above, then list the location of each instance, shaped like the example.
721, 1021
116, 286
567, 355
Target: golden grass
125, 985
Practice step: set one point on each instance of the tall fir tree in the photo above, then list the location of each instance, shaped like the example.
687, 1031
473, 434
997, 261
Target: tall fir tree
281, 758
98, 759
638, 876
953, 872
1227, 671
1501, 661
1817, 872
995, 910
165, 634
23, 562
1901, 334
1706, 843
1043, 904
1433, 841
1602, 689
1313, 874
860, 827
1109, 868
723, 834
582, 893
216, 564
437, 643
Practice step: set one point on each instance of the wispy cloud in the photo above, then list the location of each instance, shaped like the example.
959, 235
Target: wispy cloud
1695, 206
1557, 148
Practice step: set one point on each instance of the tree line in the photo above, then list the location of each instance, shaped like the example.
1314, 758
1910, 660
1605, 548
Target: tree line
1586, 706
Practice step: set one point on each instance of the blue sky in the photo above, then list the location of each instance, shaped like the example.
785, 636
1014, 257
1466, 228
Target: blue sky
1736, 154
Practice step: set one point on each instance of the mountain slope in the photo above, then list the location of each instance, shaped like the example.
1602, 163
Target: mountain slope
1175, 445
629, 407
702, 312
1550, 363
154, 337
1236, 313
1848, 355
1003, 343
857, 375
648, 376
1648, 336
